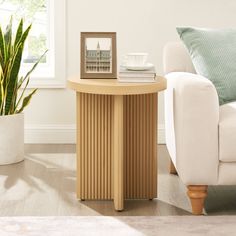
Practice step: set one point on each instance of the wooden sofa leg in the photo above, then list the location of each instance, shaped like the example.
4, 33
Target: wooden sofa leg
197, 195
172, 169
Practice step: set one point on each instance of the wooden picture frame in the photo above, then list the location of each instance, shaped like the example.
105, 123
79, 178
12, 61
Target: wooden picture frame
98, 55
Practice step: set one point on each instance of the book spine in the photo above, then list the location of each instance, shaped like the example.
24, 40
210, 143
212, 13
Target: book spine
136, 81
137, 76
136, 73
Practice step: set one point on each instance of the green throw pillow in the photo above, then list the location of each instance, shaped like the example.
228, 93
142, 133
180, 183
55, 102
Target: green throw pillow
213, 53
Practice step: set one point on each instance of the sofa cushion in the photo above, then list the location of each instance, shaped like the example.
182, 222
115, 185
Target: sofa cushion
213, 53
227, 132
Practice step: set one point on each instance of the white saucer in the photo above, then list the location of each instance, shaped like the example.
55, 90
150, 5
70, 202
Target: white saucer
147, 66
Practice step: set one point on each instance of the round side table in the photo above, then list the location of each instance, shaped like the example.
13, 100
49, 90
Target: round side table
116, 139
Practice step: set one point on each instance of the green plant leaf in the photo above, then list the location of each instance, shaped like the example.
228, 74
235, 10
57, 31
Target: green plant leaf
22, 94
8, 33
21, 81
8, 39
19, 33
1, 97
2, 49
13, 79
11, 49
26, 101
14, 98
25, 35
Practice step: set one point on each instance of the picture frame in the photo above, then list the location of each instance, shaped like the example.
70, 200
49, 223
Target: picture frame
98, 55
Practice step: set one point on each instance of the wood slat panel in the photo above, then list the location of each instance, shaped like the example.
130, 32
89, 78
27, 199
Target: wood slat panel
118, 152
154, 143
94, 146
140, 147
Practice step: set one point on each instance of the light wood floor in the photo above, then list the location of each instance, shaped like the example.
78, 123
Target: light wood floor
44, 185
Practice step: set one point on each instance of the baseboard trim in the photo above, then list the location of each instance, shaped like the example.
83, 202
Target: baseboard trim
161, 134
63, 134
52, 134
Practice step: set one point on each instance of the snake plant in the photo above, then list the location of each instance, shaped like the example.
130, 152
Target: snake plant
12, 87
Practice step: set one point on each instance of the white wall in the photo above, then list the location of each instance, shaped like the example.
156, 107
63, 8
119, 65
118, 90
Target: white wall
141, 25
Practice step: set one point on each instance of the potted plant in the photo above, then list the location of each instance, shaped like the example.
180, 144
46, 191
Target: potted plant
12, 93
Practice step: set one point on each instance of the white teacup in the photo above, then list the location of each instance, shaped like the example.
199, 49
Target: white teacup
136, 59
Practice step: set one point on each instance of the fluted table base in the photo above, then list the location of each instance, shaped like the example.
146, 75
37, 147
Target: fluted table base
116, 147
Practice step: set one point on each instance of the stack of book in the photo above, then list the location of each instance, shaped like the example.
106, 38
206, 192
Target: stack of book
132, 76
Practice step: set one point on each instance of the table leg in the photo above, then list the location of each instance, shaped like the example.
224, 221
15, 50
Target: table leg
140, 146
118, 153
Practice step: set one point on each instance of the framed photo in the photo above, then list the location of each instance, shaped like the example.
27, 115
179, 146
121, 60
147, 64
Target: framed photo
98, 55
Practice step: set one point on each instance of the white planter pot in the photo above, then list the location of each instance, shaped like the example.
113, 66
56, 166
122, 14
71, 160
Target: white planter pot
11, 139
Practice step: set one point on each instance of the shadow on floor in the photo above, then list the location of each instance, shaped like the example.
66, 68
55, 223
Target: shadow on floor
221, 200
50, 180
136, 208
36, 177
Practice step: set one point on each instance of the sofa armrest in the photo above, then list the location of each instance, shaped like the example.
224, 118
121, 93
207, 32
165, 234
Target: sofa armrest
191, 119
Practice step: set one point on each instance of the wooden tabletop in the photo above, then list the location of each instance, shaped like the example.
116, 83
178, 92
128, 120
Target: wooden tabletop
113, 87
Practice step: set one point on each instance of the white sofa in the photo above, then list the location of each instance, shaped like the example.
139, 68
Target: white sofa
200, 134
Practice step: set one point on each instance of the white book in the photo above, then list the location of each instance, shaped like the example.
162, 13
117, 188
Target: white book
137, 78
136, 81
137, 75
136, 72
